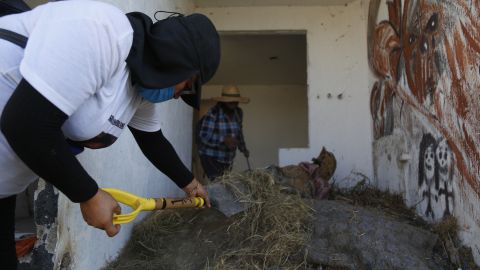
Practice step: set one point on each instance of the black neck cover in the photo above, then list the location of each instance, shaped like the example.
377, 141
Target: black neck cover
172, 50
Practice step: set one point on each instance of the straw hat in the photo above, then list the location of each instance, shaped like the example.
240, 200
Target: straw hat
231, 93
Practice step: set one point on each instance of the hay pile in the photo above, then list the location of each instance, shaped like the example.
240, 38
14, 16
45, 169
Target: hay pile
145, 249
271, 234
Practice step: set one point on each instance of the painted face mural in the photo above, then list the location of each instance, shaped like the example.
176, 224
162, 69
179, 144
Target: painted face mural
435, 177
427, 57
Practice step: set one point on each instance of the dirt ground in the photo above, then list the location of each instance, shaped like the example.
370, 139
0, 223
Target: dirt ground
275, 233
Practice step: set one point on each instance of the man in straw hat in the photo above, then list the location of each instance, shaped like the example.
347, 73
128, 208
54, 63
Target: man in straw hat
220, 133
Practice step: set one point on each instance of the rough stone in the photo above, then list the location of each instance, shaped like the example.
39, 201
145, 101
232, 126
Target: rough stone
360, 238
46, 206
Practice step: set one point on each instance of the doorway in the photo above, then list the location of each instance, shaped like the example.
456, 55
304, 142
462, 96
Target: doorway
269, 67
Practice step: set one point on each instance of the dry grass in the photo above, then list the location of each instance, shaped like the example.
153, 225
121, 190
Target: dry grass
272, 233
391, 204
449, 248
144, 248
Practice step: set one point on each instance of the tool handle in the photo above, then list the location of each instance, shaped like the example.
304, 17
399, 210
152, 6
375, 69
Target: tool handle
248, 164
169, 203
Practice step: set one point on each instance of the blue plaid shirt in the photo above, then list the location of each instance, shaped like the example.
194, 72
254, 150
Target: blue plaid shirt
212, 130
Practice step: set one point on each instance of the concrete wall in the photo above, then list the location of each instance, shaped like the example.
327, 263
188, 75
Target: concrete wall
276, 117
123, 166
425, 104
338, 91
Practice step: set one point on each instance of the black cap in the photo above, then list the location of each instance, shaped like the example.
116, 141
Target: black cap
207, 42
12, 6
173, 50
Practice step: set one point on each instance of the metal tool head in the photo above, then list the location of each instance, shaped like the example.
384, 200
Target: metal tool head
224, 200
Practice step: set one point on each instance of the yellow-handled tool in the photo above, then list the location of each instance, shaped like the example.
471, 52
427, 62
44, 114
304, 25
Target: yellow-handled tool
139, 204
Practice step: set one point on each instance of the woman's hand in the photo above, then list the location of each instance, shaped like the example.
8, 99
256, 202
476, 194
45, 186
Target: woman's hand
98, 212
195, 189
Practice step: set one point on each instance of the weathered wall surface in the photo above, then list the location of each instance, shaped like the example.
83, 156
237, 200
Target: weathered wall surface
122, 166
337, 71
425, 106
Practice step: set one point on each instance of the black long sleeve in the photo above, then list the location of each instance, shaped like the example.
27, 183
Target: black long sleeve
163, 156
32, 126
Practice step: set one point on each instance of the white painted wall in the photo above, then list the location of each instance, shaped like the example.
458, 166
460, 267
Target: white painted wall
337, 64
123, 166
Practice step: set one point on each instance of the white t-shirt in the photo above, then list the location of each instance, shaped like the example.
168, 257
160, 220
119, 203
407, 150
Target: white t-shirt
75, 57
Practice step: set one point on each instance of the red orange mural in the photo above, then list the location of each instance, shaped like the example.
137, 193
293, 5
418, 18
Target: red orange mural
427, 56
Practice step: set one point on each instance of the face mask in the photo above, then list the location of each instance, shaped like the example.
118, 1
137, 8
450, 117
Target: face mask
157, 95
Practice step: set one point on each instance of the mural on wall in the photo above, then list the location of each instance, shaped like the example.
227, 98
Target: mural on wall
435, 177
427, 57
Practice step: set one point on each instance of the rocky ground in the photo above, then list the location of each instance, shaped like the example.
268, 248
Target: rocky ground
362, 228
